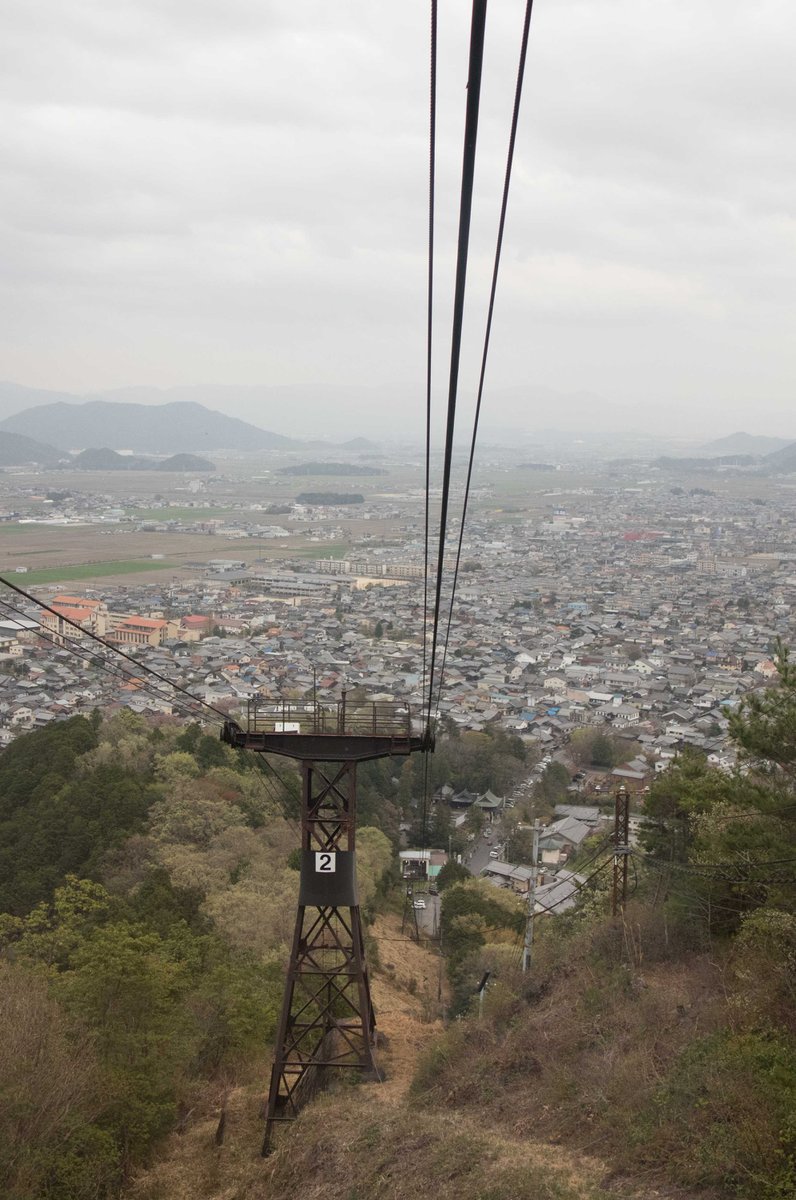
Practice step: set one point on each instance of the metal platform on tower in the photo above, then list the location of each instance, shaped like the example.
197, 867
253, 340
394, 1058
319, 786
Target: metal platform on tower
327, 1020
341, 731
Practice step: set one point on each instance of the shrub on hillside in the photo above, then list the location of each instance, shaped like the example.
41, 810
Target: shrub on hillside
726, 1117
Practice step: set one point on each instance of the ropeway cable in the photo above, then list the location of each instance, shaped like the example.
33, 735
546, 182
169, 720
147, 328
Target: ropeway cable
493, 291
432, 155
465, 212
78, 649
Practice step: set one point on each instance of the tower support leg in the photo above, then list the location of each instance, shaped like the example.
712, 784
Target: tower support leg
327, 1021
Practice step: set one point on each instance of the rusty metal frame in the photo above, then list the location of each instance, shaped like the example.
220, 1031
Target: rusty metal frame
327, 1020
340, 732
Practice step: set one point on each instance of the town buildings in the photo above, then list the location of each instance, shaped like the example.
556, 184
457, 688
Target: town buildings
600, 608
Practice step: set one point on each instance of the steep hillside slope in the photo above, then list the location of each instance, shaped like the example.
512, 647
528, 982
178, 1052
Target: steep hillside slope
376, 1140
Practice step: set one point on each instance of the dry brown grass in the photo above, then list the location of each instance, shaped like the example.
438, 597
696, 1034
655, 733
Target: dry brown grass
510, 1108
362, 1152
404, 994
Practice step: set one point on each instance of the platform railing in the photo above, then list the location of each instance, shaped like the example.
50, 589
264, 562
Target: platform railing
341, 717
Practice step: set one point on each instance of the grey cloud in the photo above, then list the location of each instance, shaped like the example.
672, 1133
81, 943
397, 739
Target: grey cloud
197, 191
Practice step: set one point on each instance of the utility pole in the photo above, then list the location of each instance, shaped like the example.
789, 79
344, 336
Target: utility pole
527, 949
409, 907
479, 991
621, 840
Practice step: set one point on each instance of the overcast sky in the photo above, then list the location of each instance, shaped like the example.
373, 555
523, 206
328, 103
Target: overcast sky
234, 192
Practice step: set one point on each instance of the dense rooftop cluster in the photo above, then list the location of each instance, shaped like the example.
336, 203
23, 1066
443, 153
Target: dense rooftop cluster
650, 609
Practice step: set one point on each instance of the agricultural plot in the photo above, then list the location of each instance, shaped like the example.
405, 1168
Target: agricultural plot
95, 570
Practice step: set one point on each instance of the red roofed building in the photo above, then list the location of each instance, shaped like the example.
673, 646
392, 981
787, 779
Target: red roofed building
123, 629
193, 628
90, 614
140, 631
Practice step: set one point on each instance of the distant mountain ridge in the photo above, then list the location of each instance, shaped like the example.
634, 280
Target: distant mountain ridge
744, 450
154, 428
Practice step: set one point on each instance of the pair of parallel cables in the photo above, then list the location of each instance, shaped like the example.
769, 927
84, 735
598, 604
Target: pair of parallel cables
186, 702
431, 678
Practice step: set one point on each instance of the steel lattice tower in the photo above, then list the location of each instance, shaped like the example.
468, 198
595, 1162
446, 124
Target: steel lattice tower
327, 1020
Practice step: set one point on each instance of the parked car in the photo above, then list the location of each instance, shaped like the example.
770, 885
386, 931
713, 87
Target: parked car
494, 854
418, 903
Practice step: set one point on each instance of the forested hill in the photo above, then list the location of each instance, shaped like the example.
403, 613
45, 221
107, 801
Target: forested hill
146, 897
651, 1054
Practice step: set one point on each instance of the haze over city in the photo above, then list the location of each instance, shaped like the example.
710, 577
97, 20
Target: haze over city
197, 195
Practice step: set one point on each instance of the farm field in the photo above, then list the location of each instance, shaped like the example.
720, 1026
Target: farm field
95, 570
321, 550
177, 513
55, 554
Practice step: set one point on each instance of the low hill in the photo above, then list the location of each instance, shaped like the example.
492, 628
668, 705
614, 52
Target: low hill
665, 463
743, 443
784, 459
330, 468
359, 445
104, 459
154, 428
16, 450
185, 462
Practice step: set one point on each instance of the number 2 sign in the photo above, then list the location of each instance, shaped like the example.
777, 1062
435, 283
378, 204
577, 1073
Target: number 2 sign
325, 862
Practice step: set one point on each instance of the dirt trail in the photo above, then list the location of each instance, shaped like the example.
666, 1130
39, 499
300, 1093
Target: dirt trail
408, 993
405, 989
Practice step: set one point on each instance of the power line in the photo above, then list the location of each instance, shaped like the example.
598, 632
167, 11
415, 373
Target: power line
701, 869
114, 649
75, 647
119, 672
597, 851
465, 211
425, 799
432, 139
490, 312
552, 907
704, 904
273, 795
721, 818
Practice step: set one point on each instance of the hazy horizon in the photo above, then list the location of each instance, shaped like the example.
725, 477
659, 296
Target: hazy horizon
339, 413
236, 198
